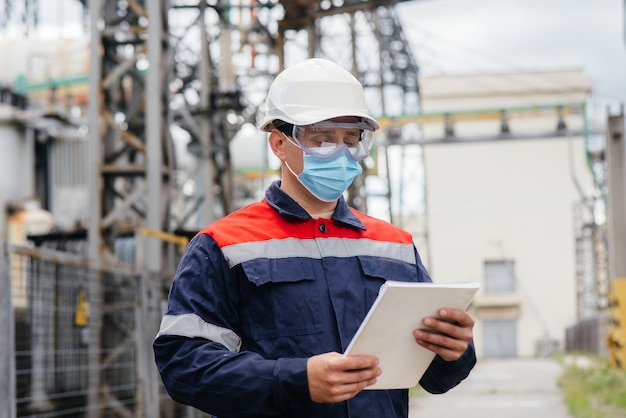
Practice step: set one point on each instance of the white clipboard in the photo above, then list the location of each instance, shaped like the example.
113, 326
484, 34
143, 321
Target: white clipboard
387, 330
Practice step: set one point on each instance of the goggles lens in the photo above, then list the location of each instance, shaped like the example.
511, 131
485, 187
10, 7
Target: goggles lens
324, 139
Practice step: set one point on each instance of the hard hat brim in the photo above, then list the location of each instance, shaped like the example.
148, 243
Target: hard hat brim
312, 117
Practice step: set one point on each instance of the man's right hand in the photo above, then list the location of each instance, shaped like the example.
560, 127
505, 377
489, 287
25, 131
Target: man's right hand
334, 377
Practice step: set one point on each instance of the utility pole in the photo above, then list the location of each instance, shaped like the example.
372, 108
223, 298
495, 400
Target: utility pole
616, 164
616, 222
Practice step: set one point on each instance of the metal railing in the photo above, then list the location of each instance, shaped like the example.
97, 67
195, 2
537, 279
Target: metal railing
69, 356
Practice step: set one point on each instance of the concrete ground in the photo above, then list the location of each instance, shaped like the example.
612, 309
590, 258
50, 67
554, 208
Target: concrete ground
510, 388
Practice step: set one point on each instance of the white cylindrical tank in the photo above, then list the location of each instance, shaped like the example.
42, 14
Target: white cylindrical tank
31, 220
15, 169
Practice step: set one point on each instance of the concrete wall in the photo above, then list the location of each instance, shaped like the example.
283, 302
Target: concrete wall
494, 198
509, 200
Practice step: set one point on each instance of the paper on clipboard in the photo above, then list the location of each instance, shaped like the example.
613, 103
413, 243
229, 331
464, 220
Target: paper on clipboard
387, 330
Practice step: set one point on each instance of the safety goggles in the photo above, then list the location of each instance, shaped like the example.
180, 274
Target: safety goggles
327, 139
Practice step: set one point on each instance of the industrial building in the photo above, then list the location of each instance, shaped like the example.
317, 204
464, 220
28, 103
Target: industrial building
118, 145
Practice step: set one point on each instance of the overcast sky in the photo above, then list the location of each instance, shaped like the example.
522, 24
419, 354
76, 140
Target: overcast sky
463, 36
470, 36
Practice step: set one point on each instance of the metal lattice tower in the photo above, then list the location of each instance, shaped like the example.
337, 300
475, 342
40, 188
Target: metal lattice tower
367, 38
196, 87
161, 70
130, 155
591, 265
165, 68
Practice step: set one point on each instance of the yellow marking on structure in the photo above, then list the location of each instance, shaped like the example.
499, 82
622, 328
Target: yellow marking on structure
167, 237
81, 316
616, 337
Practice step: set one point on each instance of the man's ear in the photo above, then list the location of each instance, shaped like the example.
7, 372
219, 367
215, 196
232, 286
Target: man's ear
278, 142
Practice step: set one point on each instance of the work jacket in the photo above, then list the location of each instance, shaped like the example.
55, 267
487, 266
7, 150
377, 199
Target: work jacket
263, 289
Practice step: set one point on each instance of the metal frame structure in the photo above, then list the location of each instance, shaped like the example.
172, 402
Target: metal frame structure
197, 68
200, 91
191, 82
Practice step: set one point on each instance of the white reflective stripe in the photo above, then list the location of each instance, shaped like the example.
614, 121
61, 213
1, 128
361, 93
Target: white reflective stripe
192, 326
346, 247
275, 248
322, 247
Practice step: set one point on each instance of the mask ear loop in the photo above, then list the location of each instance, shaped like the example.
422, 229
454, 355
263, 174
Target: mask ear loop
296, 145
293, 143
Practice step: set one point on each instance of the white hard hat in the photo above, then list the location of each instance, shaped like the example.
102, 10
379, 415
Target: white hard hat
312, 91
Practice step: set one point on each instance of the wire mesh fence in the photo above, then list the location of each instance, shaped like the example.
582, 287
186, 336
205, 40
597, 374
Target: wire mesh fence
77, 340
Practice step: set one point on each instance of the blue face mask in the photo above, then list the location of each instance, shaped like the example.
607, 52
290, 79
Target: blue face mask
328, 178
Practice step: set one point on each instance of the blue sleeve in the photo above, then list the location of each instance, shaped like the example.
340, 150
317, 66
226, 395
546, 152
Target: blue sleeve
202, 371
441, 375
422, 273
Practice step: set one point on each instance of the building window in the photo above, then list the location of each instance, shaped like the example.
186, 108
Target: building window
499, 276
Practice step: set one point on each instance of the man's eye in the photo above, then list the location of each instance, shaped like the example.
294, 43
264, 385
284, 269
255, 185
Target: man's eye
352, 140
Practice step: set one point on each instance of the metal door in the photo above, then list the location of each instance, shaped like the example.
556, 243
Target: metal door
500, 338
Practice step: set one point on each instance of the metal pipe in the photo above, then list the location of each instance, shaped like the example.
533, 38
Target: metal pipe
95, 208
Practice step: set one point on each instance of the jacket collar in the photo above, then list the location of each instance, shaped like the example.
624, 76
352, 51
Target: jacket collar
286, 206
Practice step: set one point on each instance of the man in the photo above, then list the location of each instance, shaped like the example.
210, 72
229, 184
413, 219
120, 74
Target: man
266, 298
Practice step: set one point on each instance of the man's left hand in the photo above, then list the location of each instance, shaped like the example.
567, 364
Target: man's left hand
447, 335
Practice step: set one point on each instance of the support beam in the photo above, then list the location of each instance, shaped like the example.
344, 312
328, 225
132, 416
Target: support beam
616, 213
146, 323
95, 207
